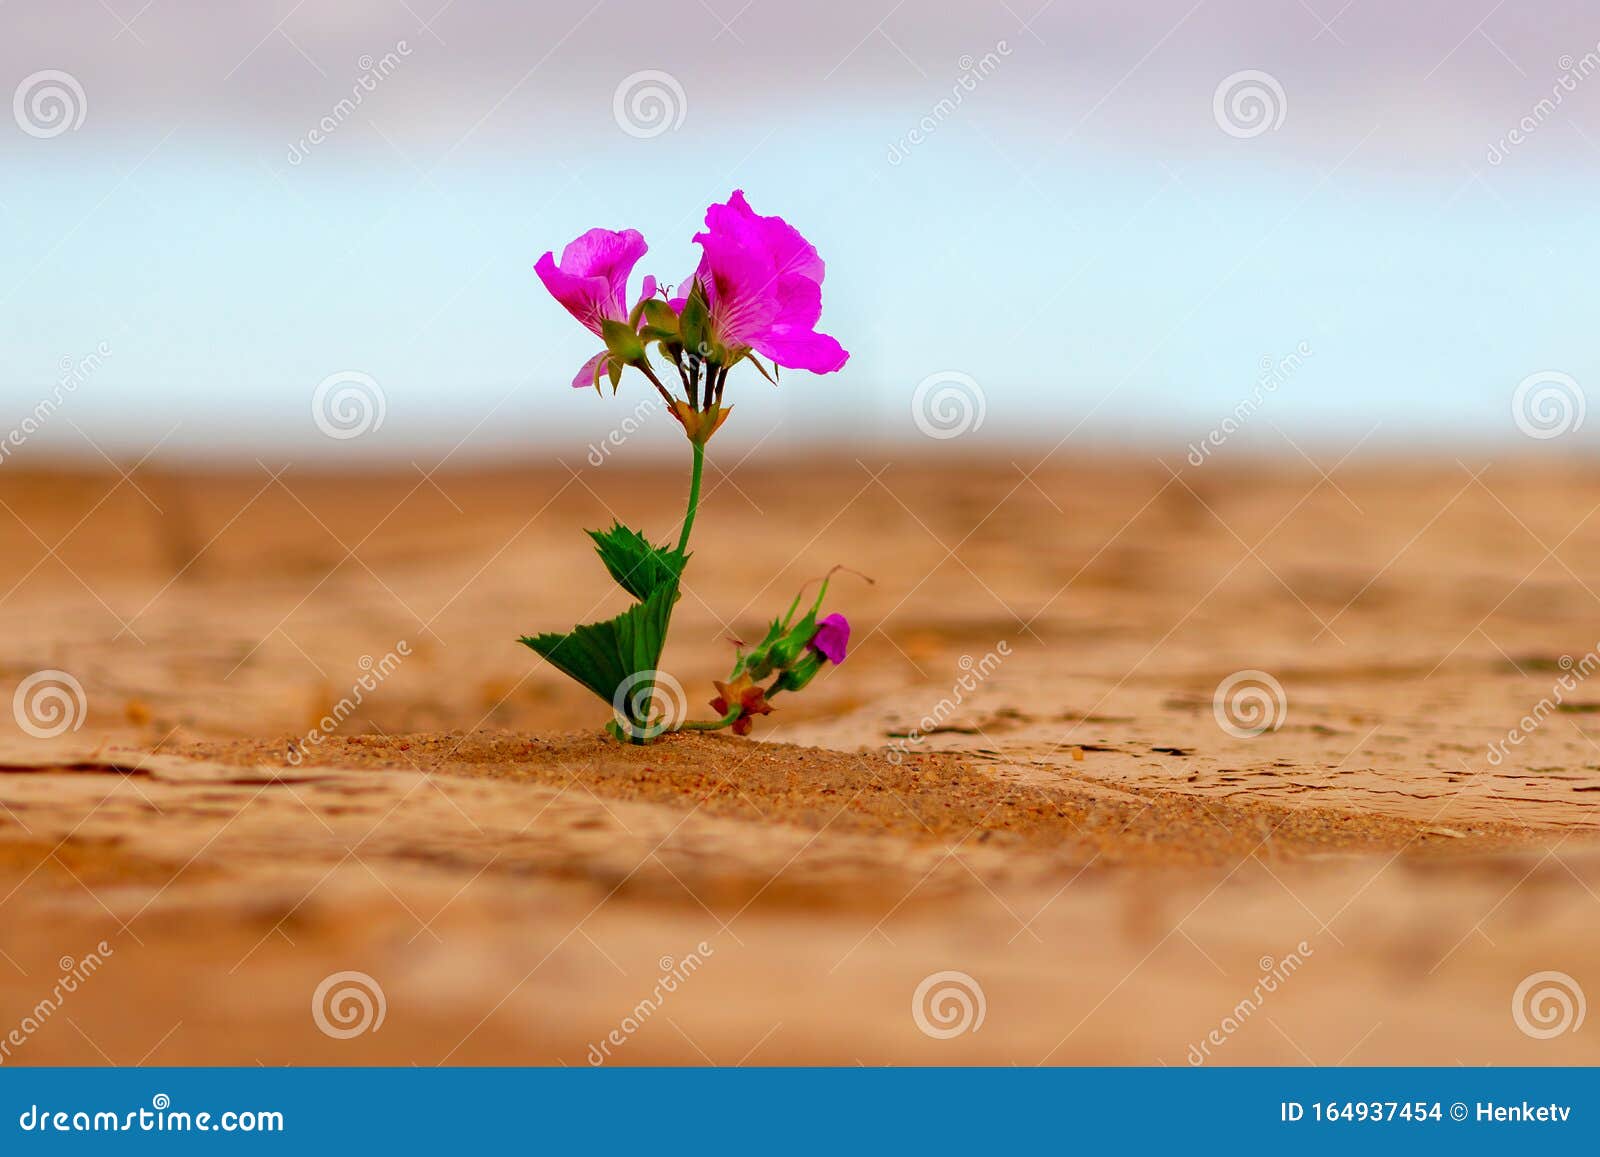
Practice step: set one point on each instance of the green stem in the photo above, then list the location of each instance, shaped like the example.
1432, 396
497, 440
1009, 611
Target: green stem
694, 495
727, 720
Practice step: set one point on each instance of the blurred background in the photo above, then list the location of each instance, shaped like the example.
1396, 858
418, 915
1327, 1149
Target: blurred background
1079, 222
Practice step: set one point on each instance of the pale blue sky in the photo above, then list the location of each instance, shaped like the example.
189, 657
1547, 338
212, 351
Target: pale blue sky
1080, 236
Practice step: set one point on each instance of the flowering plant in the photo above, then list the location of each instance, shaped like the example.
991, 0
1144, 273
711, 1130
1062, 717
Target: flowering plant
756, 293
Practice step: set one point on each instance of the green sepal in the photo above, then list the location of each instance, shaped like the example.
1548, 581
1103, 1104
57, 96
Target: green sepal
659, 315
621, 339
755, 361
695, 320
604, 656
639, 566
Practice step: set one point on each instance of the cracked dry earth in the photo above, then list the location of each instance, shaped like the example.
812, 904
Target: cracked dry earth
1019, 774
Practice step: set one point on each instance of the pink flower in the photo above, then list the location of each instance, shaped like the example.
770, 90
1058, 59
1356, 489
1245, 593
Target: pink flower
592, 283
763, 284
833, 635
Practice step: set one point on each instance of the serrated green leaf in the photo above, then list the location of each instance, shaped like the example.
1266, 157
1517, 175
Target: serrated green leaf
604, 657
640, 567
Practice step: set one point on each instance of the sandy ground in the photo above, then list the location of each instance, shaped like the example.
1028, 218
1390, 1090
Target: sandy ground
1020, 776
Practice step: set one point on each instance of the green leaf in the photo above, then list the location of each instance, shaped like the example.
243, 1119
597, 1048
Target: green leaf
625, 345
607, 657
640, 567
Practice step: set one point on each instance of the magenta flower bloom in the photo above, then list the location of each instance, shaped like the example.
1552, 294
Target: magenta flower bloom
833, 635
592, 283
763, 284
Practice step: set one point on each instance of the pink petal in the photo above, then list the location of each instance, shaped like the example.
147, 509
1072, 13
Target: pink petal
591, 281
584, 380
801, 348
606, 253
772, 237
